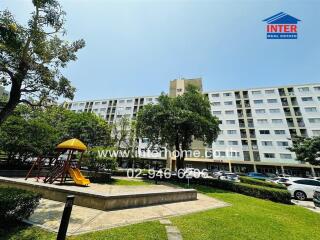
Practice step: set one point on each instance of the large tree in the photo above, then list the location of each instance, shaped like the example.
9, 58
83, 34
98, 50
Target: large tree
176, 122
307, 149
30, 133
31, 57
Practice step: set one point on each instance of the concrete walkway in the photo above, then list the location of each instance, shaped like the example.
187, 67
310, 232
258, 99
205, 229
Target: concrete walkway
307, 204
83, 220
173, 232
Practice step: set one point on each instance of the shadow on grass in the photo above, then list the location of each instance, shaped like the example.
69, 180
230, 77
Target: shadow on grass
24, 231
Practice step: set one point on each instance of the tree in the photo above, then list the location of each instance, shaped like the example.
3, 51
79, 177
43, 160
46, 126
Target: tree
31, 57
30, 133
124, 139
307, 149
176, 122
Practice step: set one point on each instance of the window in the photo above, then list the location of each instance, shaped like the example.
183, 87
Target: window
279, 132
103, 109
128, 108
308, 182
274, 110
303, 89
306, 99
129, 101
227, 94
273, 100
269, 91
231, 121
215, 95
318, 98
282, 144
104, 103
317, 88
269, 155
222, 154
260, 111
232, 132
234, 154
276, 121
149, 99
314, 120
233, 143
259, 101
179, 89
262, 121
216, 112
96, 103
220, 142
228, 103
256, 92
285, 156
216, 103
316, 132
310, 109
264, 132
266, 143
81, 104
229, 112
121, 101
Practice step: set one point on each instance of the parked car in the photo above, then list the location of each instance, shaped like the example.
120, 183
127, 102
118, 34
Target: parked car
257, 175
229, 177
302, 188
278, 180
316, 198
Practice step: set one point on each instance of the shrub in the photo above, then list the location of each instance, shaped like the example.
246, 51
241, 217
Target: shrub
16, 204
273, 194
260, 183
268, 193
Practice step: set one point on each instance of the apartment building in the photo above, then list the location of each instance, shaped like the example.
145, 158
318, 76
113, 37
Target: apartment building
257, 125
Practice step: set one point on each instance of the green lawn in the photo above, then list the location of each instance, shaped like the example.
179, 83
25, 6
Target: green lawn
131, 182
247, 218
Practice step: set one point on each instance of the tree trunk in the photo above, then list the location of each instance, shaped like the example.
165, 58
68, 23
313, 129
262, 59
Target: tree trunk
15, 94
179, 158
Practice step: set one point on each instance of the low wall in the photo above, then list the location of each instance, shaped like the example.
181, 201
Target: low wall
101, 201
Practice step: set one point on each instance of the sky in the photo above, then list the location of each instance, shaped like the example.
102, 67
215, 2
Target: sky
135, 47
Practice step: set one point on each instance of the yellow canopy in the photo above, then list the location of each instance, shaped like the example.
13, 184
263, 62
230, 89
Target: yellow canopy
74, 144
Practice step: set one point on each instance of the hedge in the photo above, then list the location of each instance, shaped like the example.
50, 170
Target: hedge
268, 193
261, 183
16, 204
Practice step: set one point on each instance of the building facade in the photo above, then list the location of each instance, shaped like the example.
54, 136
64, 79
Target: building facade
257, 125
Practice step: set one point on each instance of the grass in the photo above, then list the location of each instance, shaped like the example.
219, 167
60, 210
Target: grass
247, 218
125, 182
25, 232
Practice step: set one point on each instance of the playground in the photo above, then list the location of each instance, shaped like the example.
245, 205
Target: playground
100, 205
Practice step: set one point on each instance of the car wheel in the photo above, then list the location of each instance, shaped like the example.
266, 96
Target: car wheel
299, 195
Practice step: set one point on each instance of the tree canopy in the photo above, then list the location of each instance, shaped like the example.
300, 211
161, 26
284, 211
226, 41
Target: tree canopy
307, 149
32, 56
30, 133
176, 122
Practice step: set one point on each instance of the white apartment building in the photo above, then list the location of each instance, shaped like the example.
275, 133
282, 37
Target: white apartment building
257, 125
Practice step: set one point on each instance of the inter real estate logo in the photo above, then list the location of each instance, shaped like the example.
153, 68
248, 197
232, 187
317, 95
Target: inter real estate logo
282, 26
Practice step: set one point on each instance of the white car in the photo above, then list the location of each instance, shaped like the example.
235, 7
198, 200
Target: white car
302, 188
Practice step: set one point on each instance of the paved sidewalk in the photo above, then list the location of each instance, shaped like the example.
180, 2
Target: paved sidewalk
307, 204
83, 220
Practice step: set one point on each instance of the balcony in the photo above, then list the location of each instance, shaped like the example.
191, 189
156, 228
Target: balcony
239, 106
250, 125
290, 124
249, 114
285, 104
242, 125
252, 136
254, 147
297, 114
240, 115
247, 105
243, 135
287, 114
301, 124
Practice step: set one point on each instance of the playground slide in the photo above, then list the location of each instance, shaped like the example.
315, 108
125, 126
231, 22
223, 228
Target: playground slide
77, 177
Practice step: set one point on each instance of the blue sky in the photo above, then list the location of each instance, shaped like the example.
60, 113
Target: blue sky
136, 47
